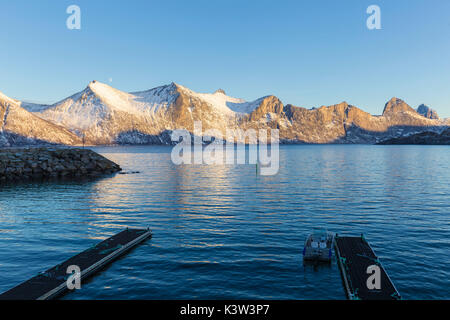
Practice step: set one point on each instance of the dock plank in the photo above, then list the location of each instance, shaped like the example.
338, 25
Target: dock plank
354, 256
52, 283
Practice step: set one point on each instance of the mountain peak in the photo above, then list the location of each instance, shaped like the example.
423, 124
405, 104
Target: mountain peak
6, 99
427, 112
395, 100
173, 85
343, 104
220, 91
96, 85
108, 94
396, 105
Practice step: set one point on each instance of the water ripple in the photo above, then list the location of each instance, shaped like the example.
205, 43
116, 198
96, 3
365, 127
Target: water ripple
223, 232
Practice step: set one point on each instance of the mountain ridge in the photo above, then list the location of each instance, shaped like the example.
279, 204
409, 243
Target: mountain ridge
101, 114
20, 127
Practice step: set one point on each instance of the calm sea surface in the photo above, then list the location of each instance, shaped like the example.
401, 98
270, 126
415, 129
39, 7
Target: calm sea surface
223, 232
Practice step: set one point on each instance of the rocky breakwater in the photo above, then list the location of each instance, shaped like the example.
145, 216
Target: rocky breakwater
38, 163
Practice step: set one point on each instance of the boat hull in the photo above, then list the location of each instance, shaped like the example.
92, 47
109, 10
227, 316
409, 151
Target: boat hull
322, 255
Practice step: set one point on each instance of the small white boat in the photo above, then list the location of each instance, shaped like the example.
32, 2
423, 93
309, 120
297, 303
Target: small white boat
319, 246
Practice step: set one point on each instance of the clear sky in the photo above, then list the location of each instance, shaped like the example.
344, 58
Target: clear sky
308, 53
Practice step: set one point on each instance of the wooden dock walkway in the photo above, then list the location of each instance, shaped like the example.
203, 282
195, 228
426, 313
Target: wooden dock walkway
354, 256
52, 283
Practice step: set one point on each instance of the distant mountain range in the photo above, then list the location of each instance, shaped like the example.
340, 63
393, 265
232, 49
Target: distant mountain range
101, 115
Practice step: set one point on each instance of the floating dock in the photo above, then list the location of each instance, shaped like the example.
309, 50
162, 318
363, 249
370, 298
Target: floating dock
53, 282
355, 256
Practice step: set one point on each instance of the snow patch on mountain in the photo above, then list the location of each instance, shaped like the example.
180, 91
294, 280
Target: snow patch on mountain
80, 111
7, 99
245, 107
223, 103
28, 106
98, 102
34, 107
153, 100
149, 101
112, 97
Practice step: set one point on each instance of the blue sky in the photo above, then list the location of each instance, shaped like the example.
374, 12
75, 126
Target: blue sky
308, 53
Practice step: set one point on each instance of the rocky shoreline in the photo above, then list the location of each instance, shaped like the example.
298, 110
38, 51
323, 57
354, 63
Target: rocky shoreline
41, 163
423, 138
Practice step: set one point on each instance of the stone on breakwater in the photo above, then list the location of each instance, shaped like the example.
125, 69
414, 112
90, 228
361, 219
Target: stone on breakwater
29, 163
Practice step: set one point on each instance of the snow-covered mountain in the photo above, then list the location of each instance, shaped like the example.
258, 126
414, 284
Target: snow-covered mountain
20, 127
106, 115
101, 114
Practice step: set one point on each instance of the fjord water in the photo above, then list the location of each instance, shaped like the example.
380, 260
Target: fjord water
223, 232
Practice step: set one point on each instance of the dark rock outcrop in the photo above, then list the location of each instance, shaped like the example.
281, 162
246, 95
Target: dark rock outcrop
427, 138
427, 112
